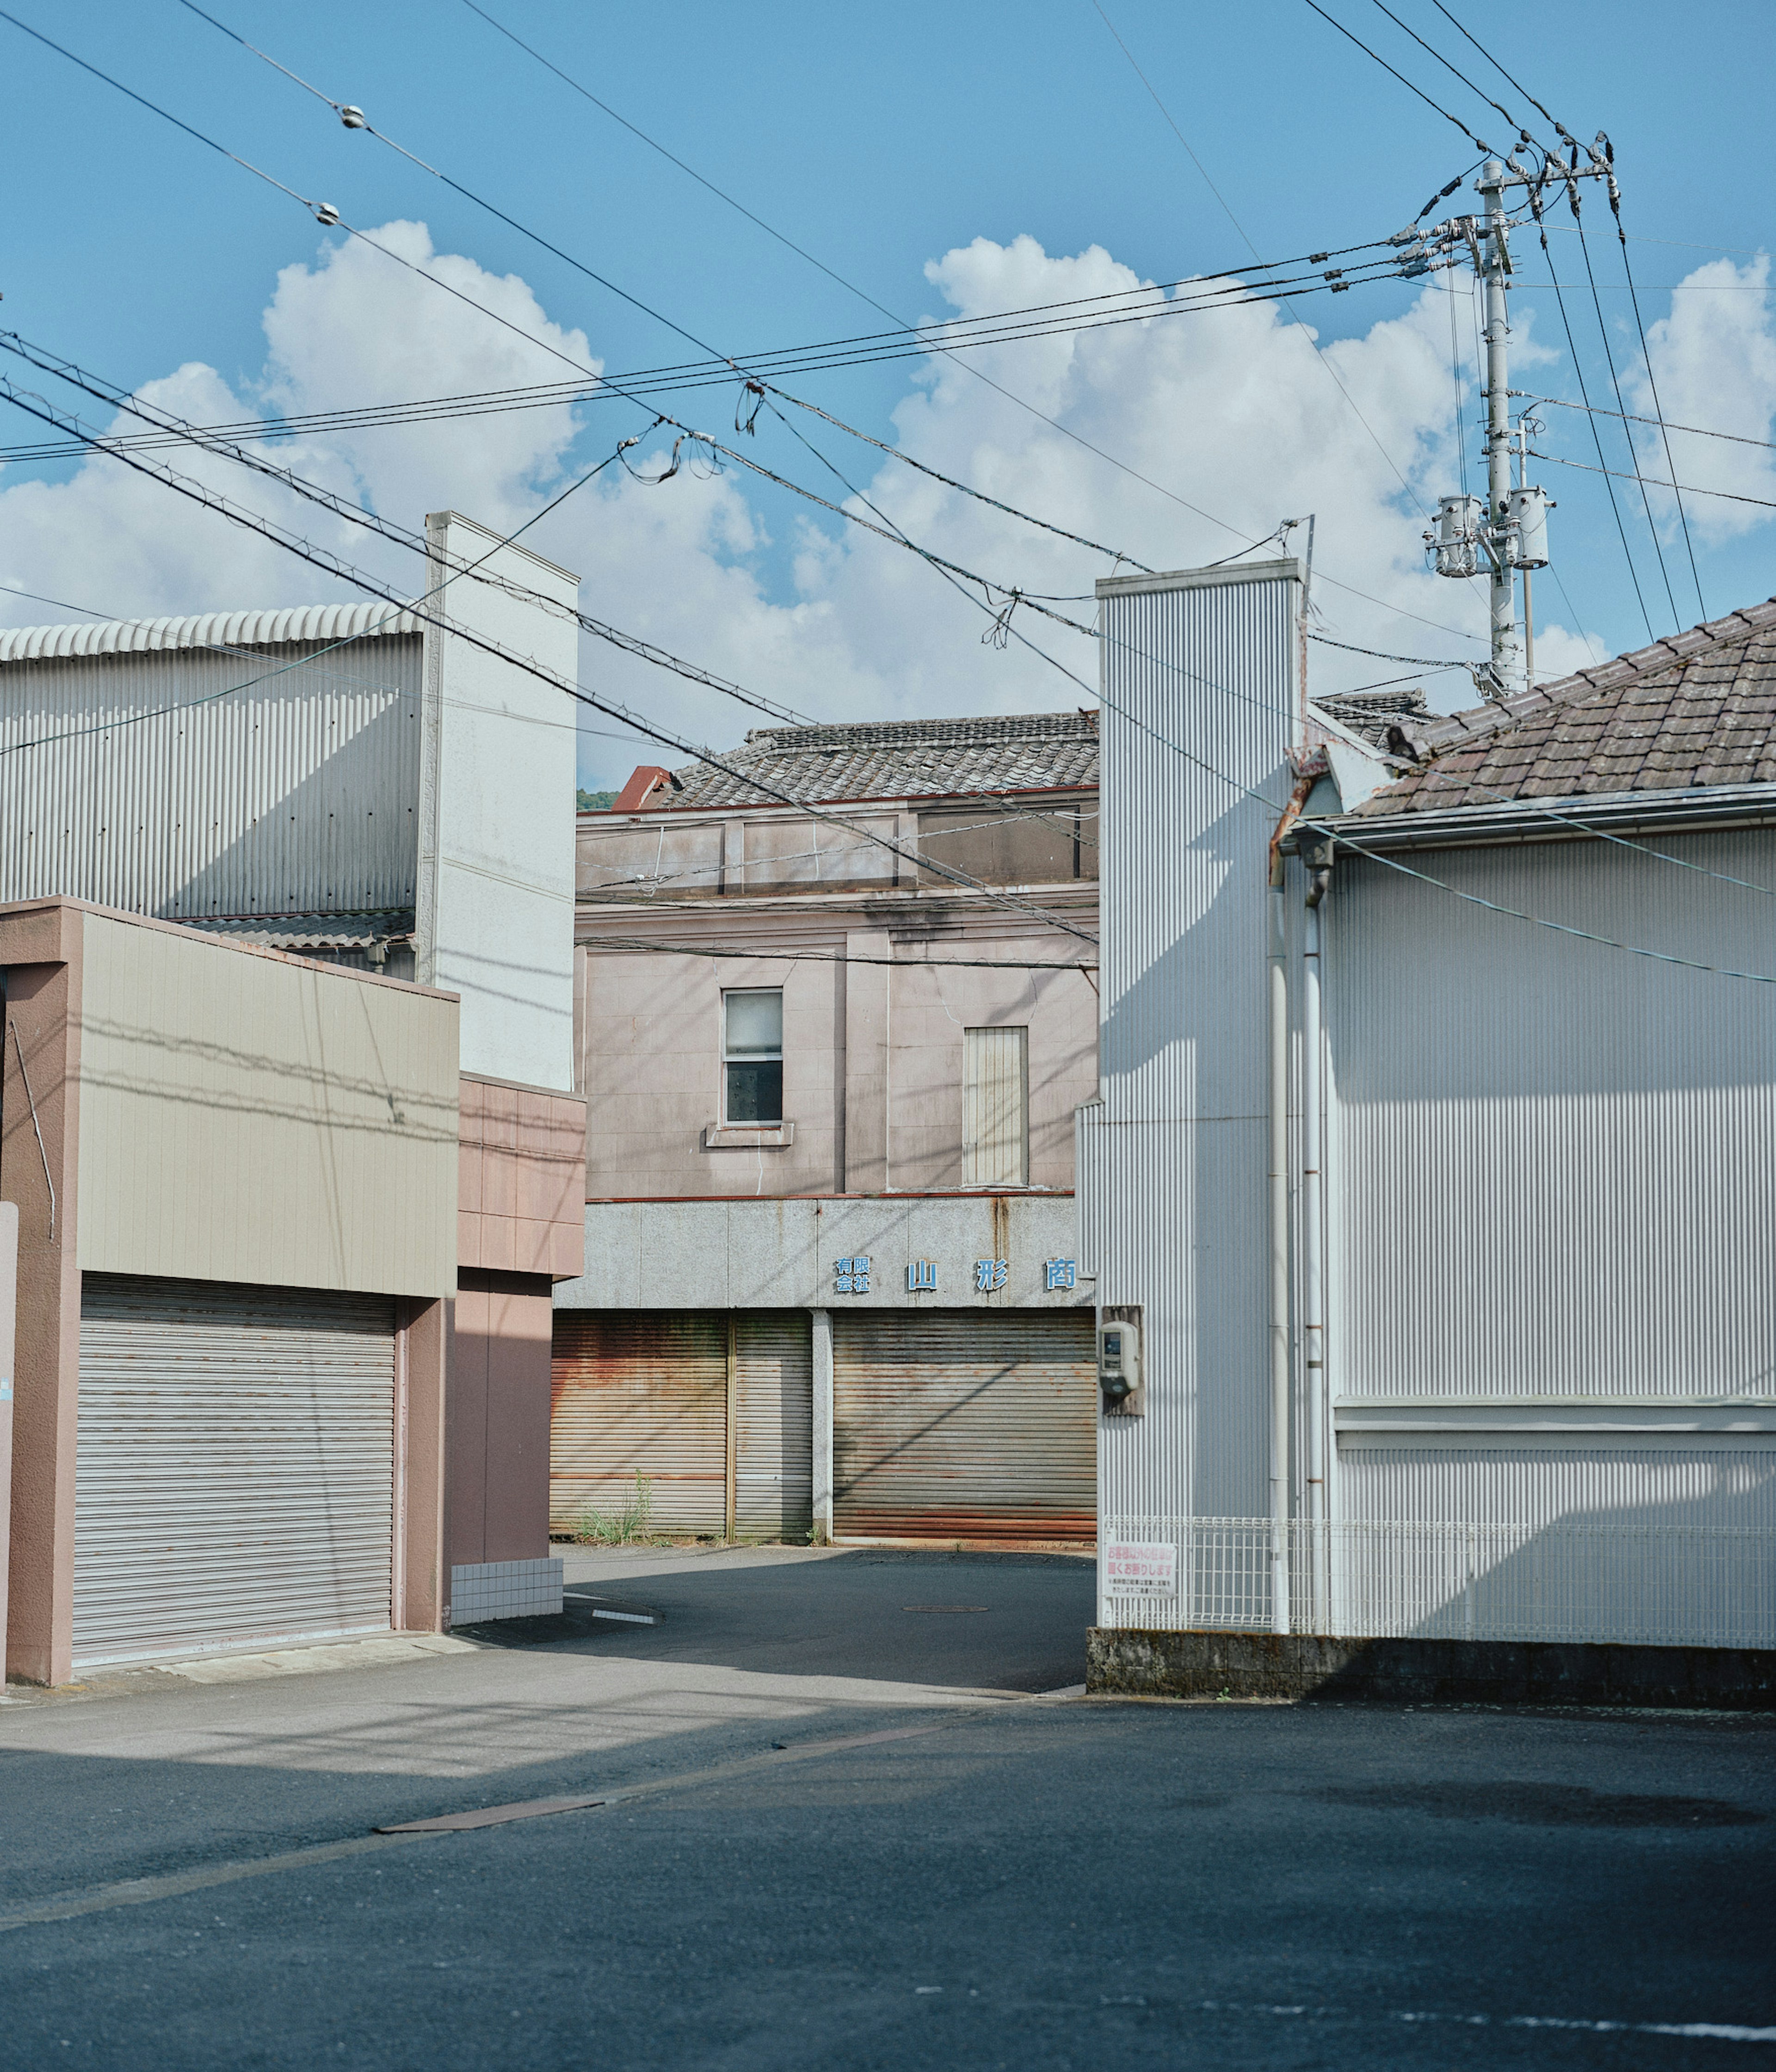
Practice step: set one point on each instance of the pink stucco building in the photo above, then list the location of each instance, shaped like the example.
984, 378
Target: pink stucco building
836, 1004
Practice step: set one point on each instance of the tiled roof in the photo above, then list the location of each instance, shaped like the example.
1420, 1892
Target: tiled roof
898, 759
1370, 713
1696, 710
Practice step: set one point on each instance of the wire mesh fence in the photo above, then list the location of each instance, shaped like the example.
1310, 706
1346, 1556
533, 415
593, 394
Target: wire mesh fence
1658, 1584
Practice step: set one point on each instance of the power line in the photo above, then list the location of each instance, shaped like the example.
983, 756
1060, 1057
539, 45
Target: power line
1065, 431
1497, 68
1615, 383
336, 565
1578, 370
197, 493
1213, 189
343, 507
1478, 143
1689, 489
1694, 431
1652, 378
951, 571
329, 215
1448, 67
631, 943
116, 725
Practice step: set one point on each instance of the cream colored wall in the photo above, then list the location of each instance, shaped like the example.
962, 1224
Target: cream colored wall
248, 1117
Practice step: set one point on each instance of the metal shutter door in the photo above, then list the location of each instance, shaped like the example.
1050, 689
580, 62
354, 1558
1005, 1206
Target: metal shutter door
964, 1425
774, 1425
235, 1469
639, 1391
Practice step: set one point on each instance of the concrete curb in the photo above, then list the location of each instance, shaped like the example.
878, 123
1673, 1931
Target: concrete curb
1300, 1667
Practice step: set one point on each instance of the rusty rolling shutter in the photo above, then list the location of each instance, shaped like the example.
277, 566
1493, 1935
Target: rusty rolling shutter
774, 1397
964, 1425
639, 1392
234, 1468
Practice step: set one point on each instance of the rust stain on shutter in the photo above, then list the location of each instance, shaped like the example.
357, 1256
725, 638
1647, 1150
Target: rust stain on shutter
639, 1392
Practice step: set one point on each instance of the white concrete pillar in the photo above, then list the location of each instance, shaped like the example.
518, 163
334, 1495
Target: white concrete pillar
822, 1322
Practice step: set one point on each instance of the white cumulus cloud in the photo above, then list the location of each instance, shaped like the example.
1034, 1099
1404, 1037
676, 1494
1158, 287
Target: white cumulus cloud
1713, 365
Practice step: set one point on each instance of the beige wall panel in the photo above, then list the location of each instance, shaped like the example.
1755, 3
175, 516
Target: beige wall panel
251, 1118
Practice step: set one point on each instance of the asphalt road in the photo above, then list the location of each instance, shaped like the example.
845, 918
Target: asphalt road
919, 1876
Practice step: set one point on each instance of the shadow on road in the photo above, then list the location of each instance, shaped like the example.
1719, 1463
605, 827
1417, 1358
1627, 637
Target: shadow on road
968, 1621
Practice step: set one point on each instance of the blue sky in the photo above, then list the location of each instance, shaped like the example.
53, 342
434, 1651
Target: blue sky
880, 141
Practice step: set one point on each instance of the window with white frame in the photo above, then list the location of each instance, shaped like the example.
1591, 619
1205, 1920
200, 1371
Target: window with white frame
996, 1107
752, 1057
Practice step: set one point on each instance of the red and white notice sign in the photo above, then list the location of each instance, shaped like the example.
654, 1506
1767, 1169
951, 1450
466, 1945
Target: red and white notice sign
1140, 1568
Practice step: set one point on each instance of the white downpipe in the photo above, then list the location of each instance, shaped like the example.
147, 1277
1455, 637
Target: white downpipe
1313, 1240
1279, 1254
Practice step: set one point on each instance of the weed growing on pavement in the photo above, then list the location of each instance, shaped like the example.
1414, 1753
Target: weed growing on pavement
633, 1521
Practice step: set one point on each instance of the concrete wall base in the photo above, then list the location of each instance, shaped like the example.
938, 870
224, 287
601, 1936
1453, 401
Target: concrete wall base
1140, 1662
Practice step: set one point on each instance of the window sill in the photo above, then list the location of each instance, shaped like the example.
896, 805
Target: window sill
749, 1135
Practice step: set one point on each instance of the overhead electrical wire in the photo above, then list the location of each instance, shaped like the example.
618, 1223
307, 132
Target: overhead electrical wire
646, 382
1338, 379
1571, 188
1479, 143
632, 945
1687, 488
1694, 431
1468, 83
336, 565
1065, 431
953, 572
342, 506
37, 406
330, 216
1652, 378
1615, 383
116, 724
902, 538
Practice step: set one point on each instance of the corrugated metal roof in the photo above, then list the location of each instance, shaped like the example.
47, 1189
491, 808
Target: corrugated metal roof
899, 758
300, 623
312, 931
1696, 711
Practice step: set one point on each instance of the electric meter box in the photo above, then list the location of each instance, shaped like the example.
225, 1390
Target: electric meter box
1119, 1376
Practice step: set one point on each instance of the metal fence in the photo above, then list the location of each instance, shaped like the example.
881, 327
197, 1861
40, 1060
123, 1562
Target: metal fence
1666, 1585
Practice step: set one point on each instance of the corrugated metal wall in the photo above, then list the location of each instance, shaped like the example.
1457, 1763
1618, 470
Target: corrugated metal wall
1551, 1161
995, 1107
1680, 1483
1200, 683
295, 795
957, 1425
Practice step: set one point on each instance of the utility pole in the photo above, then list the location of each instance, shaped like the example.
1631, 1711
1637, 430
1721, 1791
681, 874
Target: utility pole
1508, 530
1508, 654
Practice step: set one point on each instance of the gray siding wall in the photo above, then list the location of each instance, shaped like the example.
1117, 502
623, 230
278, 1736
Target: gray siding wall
295, 794
1551, 1161
1200, 685
1550, 1176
